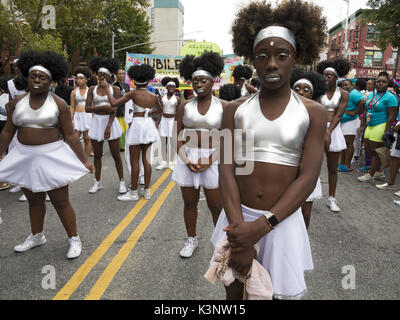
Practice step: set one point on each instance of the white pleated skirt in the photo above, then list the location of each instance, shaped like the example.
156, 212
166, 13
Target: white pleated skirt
338, 143
166, 127
317, 193
394, 152
350, 128
186, 178
142, 131
99, 125
284, 252
41, 168
82, 121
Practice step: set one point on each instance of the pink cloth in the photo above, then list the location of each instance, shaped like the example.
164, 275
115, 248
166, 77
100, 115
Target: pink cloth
259, 285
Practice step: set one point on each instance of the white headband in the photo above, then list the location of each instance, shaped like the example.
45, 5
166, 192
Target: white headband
171, 83
304, 81
332, 70
40, 68
141, 83
202, 73
104, 70
81, 75
276, 32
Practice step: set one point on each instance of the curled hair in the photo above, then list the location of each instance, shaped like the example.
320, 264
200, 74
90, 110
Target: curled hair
341, 66
242, 71
54, 62
305, 20
384, 74
211, 62
111, 64
84, 70
166, 80
229, 92
141, 73
319, 85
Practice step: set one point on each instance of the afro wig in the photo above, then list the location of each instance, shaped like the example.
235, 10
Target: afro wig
111, 64
319, 85
304, 19
341, 66
211, 62
229, 92
242, 72
166, 80
54, 62
141, 73
84, 70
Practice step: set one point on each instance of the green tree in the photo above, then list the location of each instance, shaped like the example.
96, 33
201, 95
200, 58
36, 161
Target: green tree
386, 18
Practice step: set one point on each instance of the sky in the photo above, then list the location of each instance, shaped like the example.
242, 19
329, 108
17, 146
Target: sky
211, 20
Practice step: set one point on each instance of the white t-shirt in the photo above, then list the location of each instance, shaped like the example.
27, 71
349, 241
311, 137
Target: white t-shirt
3, 101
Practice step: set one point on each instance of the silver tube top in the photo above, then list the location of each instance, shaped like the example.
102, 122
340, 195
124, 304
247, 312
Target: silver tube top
333, 103
100, 101
279, 141
192, 119
169, 105
47, 116
80, 101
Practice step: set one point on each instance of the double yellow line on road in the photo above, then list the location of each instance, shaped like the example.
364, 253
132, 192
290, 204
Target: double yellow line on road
107, 276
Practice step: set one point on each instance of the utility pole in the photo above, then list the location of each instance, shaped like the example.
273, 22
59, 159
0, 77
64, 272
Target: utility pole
346, 45
112, 43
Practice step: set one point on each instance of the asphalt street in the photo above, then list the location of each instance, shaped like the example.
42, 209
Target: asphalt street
131, 249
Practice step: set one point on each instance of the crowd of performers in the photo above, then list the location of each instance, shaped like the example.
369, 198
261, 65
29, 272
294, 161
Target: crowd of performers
279, 126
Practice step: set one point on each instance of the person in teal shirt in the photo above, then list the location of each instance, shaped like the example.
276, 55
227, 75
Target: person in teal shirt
350, 124
379, 114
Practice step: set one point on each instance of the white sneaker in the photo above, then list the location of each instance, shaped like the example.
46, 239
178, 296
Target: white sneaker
129, 196
379, 175
146, 194
385, 186
15, 189
365, 178
31, 242
75, 247
190, 245
332, 204
141, 180
22, 198
162, 165
171, 166
96, 187
122, 187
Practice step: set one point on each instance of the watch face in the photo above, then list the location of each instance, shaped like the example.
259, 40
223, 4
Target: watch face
273, 221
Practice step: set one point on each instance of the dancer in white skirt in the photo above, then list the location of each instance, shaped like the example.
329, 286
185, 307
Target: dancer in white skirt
335, 101
241, 74
41, 161
277, 148
310, 85
142, 132
82, 120
105, 125
198, 122
165, 123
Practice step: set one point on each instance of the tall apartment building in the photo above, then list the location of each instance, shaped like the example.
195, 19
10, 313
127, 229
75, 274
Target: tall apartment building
167, 20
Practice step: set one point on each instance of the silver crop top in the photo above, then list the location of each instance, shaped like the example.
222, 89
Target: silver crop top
333, 103
47, 116
169, 105
192, 119
261, 140
80, 101
100, 101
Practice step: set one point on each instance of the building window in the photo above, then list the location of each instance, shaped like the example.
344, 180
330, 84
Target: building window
373, 58
371, 33
340, 42
333, 44
152, 13
153, 25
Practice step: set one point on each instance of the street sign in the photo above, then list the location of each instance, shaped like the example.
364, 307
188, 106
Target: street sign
355, 53
390, 61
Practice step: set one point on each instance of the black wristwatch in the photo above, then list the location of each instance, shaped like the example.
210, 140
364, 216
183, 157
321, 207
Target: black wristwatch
271, 219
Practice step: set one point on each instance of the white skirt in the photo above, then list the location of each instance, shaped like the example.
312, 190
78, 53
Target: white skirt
99, 125
317, 193
41, 168
284, 252
350, 128
82, 121
142, 131
338, 143
394, 152
186, 178
166, 127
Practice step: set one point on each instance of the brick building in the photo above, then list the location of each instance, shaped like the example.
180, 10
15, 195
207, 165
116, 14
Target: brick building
368, 59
